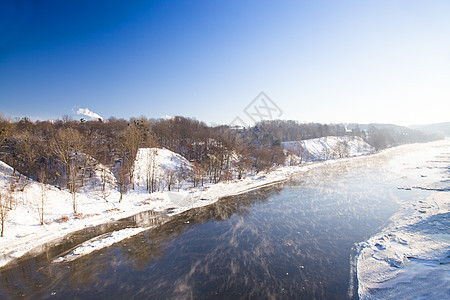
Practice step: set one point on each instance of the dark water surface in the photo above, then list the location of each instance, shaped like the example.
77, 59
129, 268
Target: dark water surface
292, 241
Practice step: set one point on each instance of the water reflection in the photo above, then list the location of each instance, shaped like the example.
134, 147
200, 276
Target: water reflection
291, 241
34, 276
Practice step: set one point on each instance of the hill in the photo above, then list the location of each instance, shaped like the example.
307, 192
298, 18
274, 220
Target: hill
325, 148
432, 128
157, 169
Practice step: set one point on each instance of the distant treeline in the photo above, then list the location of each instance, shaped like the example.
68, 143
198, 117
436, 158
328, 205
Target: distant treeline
63, 151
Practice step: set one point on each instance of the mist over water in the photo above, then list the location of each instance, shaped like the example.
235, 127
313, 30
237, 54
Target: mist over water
291, 241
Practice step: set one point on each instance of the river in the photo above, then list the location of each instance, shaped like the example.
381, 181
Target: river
291, 241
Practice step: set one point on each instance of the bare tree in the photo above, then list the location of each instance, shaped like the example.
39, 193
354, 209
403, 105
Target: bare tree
76, 177
151, 171
67, 146
297, 153
181, 174
198, 174
6, 129
63, 152
169, 178
278, 157
105, 193
292, 158
101, 163
131, 139
40, 207
122, 180
73, 185
380, 138
16, 183
342, 149
327, 153
242, 162
4, 209
262, 158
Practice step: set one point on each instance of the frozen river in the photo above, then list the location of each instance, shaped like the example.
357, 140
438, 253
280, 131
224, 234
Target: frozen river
291, 241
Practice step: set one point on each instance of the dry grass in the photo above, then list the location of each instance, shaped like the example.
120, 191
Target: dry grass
80, 216
63, 219
145, 202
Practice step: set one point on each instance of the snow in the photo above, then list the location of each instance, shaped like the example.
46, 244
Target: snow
162, 160
99, 243
98, 176
24, 234
386, 258
328, 148
410, 257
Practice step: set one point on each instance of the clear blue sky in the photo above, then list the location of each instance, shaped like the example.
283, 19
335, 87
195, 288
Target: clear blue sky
320, 61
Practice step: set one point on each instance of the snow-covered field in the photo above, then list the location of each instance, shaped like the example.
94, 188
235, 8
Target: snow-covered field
410, 258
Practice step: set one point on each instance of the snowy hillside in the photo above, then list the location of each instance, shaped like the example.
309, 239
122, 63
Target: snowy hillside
98, 178
325, 148
5, 173
23, 200
159, 164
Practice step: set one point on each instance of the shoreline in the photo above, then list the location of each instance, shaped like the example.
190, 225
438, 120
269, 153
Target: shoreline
408, 257
172, 203
405, 253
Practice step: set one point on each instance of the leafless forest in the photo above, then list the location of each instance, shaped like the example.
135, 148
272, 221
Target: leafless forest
64, 152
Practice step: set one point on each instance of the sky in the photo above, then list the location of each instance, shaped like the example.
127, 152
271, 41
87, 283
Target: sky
315, 61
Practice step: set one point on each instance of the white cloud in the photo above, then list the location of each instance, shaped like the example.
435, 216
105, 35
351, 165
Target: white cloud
88, 113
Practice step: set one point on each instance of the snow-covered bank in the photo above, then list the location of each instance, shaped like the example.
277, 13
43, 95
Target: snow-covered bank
24, 233
100, 242
410, 257
326, 148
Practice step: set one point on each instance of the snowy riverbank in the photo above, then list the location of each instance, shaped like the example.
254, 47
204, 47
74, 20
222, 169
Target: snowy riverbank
410, 257
379, 266
24, 233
